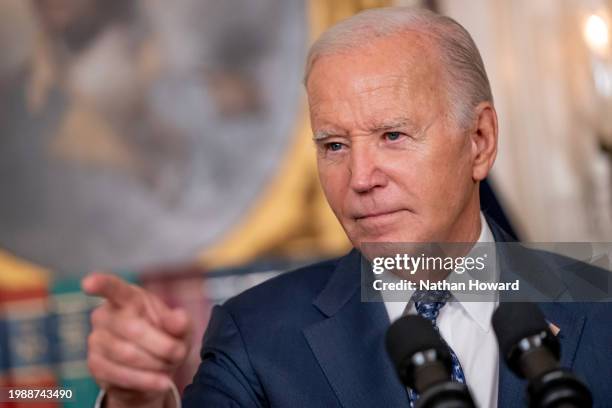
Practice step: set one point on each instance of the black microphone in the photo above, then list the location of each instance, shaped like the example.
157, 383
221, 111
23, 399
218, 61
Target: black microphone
532, 352
423, 362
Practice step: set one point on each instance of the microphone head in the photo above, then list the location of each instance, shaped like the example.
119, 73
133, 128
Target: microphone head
408, 336
513, 322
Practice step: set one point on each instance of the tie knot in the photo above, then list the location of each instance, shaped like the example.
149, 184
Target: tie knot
428, 303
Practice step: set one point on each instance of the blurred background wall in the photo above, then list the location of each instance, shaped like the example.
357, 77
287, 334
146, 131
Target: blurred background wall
169, 142
550, 66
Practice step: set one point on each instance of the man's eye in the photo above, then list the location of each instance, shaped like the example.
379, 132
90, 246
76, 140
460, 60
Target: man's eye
393, 136
334, 146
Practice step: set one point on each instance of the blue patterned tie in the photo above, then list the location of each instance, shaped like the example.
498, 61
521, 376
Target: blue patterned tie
428, 305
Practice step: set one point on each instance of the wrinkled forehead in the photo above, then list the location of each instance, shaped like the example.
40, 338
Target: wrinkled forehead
391, 75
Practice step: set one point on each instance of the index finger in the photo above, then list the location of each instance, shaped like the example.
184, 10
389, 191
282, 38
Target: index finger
112, 288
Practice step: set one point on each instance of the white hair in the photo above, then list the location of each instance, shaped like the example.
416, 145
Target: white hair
467, 83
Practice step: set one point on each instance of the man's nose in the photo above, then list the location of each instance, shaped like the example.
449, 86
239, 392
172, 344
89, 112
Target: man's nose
365, 170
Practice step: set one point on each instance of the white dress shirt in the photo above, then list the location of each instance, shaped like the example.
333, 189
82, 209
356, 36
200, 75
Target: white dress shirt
466, 327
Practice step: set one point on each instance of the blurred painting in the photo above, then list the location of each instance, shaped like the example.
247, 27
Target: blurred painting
137, 132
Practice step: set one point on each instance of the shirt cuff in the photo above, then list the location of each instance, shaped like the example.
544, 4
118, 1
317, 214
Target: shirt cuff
175, 394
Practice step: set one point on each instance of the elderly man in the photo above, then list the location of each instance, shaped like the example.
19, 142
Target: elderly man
405, 129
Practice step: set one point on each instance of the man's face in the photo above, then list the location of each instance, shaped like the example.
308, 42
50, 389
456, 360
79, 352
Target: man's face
393, 164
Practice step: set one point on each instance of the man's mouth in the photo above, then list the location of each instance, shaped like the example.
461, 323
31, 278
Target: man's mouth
377, 215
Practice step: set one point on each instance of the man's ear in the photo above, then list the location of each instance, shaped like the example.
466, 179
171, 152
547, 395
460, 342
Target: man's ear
483, 139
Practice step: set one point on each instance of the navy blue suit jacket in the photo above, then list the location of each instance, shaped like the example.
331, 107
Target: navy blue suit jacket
305, 339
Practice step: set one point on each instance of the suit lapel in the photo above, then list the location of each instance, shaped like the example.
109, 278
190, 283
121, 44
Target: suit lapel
512, 390
349, 342
570, 323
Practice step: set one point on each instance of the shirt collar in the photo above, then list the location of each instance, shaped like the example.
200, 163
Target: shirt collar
480, 312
